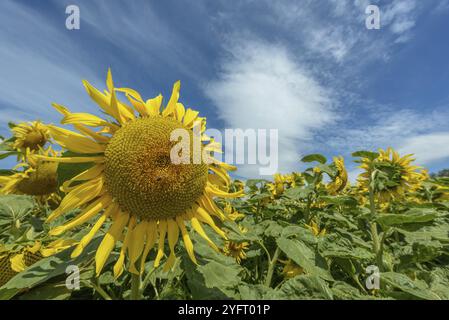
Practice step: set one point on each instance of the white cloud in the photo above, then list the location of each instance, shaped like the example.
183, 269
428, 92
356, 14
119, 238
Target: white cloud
261, 87
400, 16
407, 131
427, 148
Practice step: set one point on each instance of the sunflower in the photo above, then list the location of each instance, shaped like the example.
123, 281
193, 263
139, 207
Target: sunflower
291, 269
14, 261
340, 180
232, 213
37, 178
313, 226
32, 135
133, 180
281, 182
393, 175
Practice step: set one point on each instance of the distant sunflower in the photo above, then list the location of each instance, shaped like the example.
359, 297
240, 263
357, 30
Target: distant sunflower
315, 228
281, 182
340, 181
394, 175
38, 178
291, 269
31, 135
14, 261
133, 181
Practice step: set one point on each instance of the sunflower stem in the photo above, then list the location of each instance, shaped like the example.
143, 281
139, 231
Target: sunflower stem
373, 226
271, 266
135, 287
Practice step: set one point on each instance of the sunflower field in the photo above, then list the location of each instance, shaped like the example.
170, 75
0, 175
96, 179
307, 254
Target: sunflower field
97, 210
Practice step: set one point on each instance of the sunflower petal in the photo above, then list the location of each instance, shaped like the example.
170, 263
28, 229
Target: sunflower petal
109, 240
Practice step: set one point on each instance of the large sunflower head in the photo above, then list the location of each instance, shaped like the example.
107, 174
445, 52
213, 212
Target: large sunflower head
390, 175
32, 135
340, 181
37, 178
141, 178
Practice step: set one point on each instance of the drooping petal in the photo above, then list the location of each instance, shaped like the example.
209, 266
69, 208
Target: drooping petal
186, 239
160, 246
75, 142
151, 236
118, 267
111, 210
80, 195
84, 216
136, 245
109, 240
173, 235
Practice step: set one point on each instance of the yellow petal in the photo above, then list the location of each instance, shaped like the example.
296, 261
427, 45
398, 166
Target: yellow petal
109, 240
154, 105
171, 106
118, 267
185, 237
151, 236
84, 216
80, 195
160, 246
203, 216
136, 244
89, 236
173, 235
75, 142
196, 225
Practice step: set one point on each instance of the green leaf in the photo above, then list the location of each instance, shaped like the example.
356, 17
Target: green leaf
16, 206
366, 154
305, 257
7, 154
335, 246
6, 172
5, 146
343, 291
314, 157
298, 192
417, 289
340, 200
67, 171
46, 269
410, 217
305, 287
255, 292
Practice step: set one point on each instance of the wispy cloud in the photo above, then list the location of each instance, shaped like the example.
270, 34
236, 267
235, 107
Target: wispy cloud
260, 86
36, 65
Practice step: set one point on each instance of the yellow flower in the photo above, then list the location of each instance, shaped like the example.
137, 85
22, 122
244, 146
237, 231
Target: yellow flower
13, 262
281, 182
397, 174
134, 181
341, 179
291, 269
32, 135
313, 226
232, 214
236, 249
37, 178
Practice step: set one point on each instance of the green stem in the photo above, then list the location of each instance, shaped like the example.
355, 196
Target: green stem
135, 287
146, 280
100, 290
271, 266
374, 233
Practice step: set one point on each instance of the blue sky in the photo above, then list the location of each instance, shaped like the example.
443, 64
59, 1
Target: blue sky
308, 68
